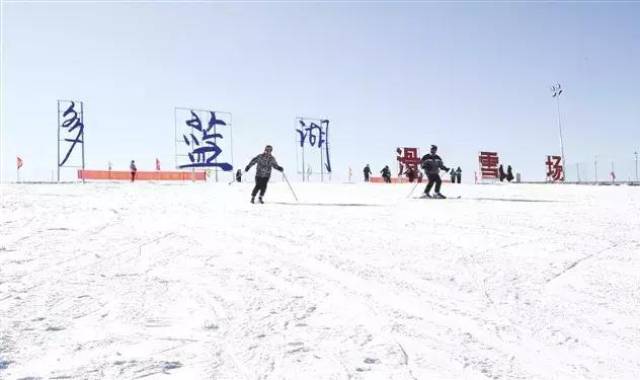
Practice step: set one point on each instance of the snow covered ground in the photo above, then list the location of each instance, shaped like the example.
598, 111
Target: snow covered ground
190, 281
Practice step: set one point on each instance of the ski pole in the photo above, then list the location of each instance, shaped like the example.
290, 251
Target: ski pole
413, 188
290, 188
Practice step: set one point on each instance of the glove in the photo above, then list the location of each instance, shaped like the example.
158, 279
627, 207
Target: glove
281, 169
246, 169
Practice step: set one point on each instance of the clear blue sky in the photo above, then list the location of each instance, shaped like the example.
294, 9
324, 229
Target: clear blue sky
464, 76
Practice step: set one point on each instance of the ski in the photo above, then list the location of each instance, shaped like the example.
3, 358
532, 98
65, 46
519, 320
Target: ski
438, 199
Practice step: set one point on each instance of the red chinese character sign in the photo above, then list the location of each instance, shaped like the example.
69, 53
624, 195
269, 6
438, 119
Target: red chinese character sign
555, 169
488, 165
407, 158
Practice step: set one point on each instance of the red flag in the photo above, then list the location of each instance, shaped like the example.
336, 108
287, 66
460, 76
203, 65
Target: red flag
19, 162
157, 164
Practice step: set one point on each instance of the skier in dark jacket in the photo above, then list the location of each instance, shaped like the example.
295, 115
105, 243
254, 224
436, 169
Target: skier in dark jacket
501, 173
432, 163
452, 173
509, 176
367, 173
265, 162
458, 174
386, 174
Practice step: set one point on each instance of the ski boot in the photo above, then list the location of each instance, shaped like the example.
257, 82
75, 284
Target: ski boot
253, 199
260, 200
440, 196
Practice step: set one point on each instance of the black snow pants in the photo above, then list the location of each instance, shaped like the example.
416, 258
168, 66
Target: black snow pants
433, 178
261, 186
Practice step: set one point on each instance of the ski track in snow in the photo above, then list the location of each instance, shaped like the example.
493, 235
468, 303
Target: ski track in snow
152, 280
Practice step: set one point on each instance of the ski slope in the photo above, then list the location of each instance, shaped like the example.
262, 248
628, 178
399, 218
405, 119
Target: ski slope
356, 281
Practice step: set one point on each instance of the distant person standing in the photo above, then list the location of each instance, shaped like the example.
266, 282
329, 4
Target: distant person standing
411, 173
265, 162
432, 163
509, 175
239, 175
452, 174
367, 172
386, 174
459, 174
501, 173
401, 168
133, 169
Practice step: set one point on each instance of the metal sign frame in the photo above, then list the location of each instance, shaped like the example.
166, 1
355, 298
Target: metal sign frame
325, 162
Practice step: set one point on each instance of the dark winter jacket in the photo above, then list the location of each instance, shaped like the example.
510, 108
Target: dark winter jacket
501, 173
432, 163
509, 175
265, 163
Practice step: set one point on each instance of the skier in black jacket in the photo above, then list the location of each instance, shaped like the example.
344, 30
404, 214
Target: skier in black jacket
432, 163
367, 173
386, 174
265, 162
509, 177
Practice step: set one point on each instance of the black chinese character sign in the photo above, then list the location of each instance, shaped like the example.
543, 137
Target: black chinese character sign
203, 140
70, 134
313, 141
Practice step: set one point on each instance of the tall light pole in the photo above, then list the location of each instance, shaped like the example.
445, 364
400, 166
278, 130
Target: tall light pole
556, 90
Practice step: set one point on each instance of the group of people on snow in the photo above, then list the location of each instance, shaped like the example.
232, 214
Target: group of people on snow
508, 175
431, 163
456, 175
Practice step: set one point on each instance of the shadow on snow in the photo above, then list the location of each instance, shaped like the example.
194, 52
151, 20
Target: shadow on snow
327, 204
